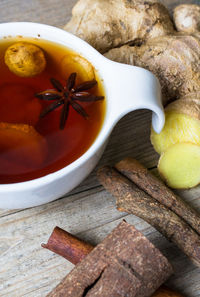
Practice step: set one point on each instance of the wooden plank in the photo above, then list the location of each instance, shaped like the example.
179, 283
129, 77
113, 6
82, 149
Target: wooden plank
29, 270
171, 4
51, 12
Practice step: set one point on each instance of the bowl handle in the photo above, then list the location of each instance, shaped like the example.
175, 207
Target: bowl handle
133, 88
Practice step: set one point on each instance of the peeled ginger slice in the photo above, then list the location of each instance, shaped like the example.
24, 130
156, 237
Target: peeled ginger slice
178, 128
76, 63
179, 165
22, 144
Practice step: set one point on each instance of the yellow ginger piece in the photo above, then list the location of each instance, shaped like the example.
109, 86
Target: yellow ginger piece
179, 165
178, 128
182, 125
76, 63
25, 59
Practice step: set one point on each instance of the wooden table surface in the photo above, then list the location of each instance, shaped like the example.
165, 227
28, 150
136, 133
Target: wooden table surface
88, 211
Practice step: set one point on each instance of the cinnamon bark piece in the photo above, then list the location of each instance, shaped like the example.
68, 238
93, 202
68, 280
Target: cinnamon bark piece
124, 264
145, 180
131, 199
68, 246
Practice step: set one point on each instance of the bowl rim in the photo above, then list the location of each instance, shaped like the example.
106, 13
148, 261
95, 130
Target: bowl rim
104, 130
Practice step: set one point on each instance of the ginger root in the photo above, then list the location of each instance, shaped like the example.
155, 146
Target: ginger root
182, 124
141, 33
179, 165
182, 127
106, 24
187, 18
25, 59
173, 59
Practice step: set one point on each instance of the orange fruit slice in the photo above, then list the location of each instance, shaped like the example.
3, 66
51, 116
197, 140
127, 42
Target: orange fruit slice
22, 144
18, 104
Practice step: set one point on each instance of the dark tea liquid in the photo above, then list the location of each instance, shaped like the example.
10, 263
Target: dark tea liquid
51, 148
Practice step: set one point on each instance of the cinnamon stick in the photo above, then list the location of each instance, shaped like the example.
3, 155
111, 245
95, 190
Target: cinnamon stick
68, 246
131, 199
125, 263
66, 250
145, 180
166, 292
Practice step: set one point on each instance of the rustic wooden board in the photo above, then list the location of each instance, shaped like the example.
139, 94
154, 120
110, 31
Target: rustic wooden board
172, 3
28, 270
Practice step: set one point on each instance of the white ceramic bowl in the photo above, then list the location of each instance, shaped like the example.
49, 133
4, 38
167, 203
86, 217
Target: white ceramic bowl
127, 88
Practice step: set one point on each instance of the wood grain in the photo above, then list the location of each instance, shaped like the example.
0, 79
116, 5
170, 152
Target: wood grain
29, 270
172, 3
89, 212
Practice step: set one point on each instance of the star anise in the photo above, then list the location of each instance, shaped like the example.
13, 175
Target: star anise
67, 96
